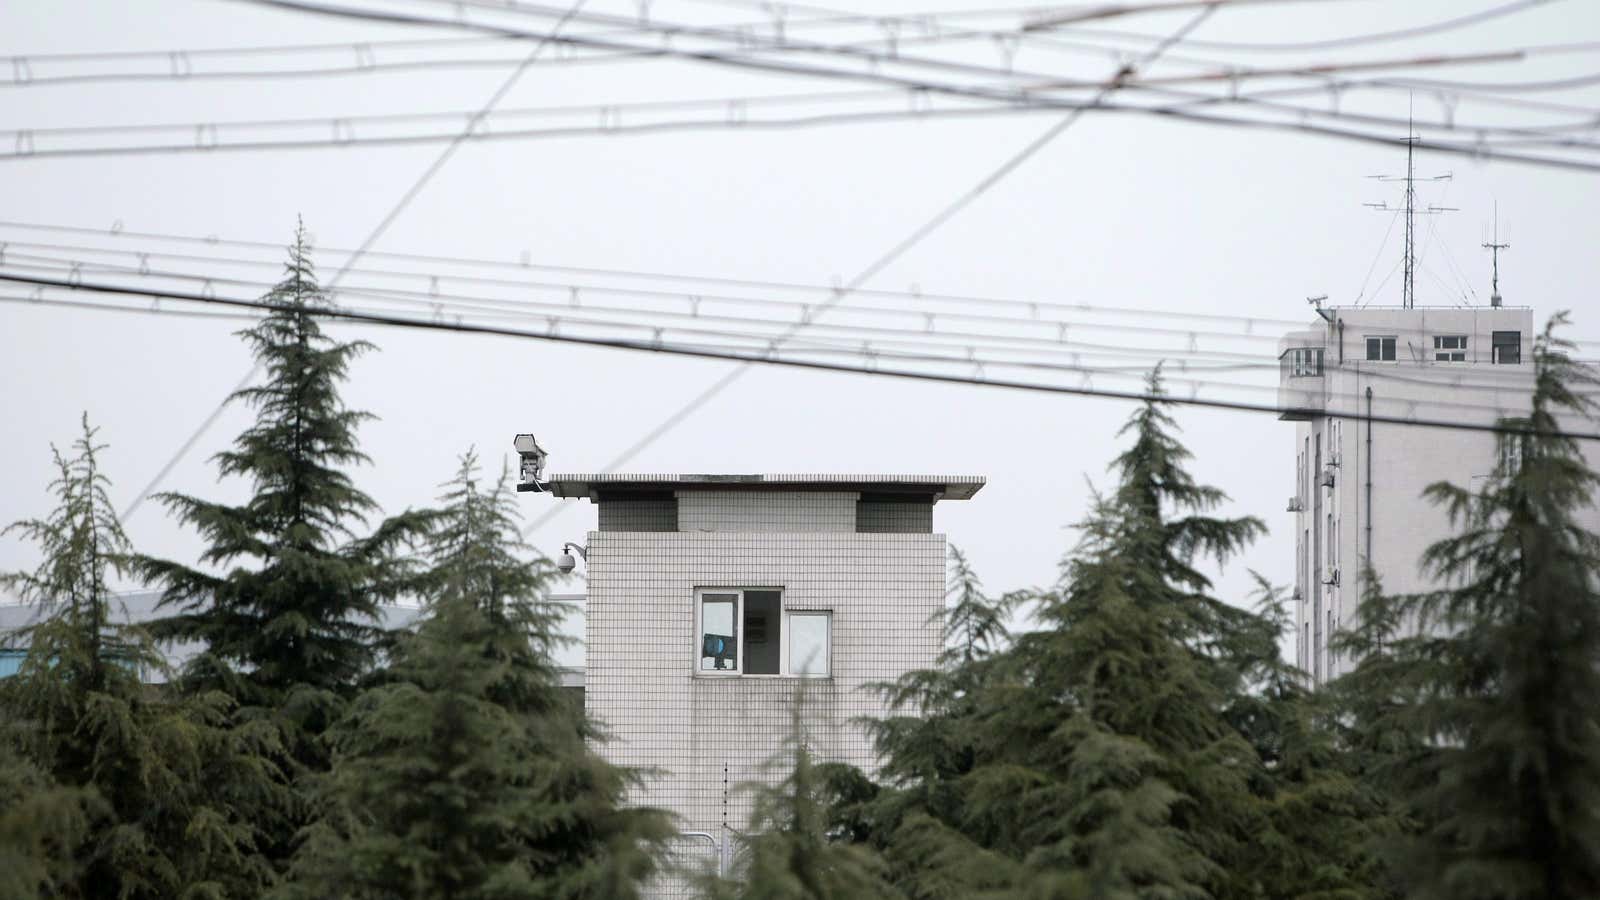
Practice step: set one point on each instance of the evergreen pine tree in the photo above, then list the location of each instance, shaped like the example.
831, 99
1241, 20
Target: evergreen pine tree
926, 745
147, 764
465, 773
1509, 799
787, 852
41, 825
1097, 756
287, 601
1326, 822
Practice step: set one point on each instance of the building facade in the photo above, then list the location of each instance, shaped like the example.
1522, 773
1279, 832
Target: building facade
714, 602
1357, 496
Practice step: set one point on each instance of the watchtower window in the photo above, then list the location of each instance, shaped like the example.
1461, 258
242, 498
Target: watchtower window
1380, 348
747, 631
1507, 347
1450, 348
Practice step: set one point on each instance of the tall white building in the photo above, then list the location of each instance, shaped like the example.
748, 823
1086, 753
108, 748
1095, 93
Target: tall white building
1358, 486
713, 599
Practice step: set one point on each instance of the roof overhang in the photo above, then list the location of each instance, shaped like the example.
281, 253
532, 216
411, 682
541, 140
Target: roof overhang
940, 487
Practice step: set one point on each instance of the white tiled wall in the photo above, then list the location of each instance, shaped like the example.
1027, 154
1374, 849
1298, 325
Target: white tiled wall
767, 511
707, 734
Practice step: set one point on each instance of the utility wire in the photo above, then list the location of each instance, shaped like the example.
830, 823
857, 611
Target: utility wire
120, 233
1430, 28
742, 60
208, 141
749, 360
868, 343
1032, 313
1050, 334
372, 237
894, 253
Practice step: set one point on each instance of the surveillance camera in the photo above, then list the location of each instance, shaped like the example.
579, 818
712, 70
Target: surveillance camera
533, 458
566, 563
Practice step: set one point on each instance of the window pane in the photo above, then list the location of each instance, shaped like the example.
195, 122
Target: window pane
763, 632
1372, 348
808, 643
719, 644
1388, 349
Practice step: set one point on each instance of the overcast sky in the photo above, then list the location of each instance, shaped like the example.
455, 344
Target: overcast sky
1122, 211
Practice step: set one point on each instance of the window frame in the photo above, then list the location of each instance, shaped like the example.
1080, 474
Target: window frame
1450, 348
785, 613
738, 632
1496, 344
786, 659
1394, 347
1304, 362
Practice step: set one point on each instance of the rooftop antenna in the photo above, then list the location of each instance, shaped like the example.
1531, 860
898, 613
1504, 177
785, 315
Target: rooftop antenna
1494, 247
1408, 287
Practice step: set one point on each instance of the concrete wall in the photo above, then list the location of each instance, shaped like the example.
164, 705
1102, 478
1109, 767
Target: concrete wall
708, 733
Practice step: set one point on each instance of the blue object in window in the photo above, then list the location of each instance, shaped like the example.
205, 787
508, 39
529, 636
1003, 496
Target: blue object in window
11, 662
719, 647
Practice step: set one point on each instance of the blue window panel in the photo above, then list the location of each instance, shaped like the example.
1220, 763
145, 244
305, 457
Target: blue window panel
11, 662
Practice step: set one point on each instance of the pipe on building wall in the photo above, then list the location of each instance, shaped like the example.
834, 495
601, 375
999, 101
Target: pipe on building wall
1368, 560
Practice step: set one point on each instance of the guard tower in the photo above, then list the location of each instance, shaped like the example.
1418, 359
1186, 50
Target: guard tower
711, 598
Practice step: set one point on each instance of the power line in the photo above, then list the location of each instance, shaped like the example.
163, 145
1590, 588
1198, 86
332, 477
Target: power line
895, 252
747, 360
207, 141
1478, 149
870, 344
1430, 28
120, 233
377, 232
926, 310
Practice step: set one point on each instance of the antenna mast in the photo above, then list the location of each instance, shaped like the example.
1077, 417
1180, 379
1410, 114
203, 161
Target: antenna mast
1408, 288
1494, 247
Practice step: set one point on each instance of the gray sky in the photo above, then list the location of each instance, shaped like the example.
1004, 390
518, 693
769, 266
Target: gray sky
1122, 211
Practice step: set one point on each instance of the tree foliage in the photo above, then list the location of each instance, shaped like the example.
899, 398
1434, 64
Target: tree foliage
1500, 767
121, 780
286, 602
465, 771
787, 852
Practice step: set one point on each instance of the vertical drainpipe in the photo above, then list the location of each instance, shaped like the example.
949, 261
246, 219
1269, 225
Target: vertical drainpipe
1369, 476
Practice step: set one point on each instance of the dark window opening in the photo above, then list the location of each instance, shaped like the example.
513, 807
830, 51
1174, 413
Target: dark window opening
1507, 347
763, 632
1380, 349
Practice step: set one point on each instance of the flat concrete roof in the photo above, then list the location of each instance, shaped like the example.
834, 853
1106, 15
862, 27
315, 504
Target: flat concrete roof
943, 487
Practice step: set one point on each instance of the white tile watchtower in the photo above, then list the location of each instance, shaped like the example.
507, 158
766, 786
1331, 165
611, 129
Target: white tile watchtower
712, 598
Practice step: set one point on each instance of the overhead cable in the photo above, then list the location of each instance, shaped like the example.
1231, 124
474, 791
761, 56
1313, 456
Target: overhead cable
748, 359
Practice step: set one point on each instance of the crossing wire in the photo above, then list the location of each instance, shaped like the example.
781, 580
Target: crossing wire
1499, 427
372, 237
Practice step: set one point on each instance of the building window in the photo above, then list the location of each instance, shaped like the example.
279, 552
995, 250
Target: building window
809, 639
746, 631
1507, 347
1450, 348
11, 661
1304, 362
1510, 455
1380, 348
